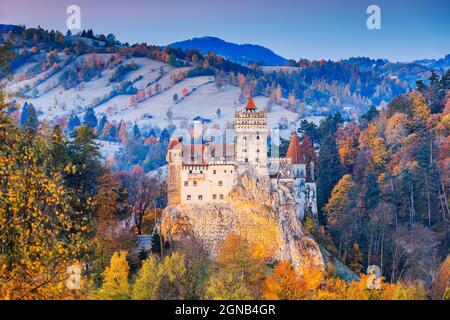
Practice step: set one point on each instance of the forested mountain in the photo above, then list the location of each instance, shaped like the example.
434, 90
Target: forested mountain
239, 53
383, 184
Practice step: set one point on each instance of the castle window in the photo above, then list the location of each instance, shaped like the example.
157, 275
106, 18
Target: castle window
188, 197
190, 171
246, 160
220, 183
195, 183
225, 171
186, 183
214, 196
214, 172
257, 150
221, 197
200, 197
257, 137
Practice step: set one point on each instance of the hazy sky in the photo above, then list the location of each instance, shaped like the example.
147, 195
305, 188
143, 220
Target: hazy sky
312, 29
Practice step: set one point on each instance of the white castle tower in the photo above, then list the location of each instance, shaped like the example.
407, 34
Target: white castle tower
250, 128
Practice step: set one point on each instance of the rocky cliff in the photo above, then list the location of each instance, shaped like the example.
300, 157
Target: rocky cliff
266, 218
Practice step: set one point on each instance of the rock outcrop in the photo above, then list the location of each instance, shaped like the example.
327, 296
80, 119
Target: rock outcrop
266, 218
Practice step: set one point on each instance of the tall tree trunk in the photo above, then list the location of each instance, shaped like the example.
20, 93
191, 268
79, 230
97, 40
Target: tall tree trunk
428, 198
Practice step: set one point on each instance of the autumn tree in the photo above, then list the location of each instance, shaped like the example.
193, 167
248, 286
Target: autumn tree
143, 196
284, 284
237, 261
40, 233
227, 286
441, 284
161, 280
148, 280
115, 285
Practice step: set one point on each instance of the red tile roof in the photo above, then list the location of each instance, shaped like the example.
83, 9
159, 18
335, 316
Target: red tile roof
294, 150
250, 105
174, 142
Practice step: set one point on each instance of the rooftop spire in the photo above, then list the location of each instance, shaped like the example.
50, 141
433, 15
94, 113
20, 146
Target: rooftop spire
174, 142
294, 150
250, 105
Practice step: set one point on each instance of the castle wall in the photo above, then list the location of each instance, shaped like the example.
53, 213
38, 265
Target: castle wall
210, 183
173, 184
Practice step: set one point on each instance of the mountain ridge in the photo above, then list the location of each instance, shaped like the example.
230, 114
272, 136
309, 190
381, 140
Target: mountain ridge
238, 53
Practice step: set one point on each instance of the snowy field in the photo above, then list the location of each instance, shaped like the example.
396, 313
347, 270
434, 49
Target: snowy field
198, 97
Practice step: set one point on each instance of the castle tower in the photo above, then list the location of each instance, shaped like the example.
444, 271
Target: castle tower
296, 158
294, 150
175, 159
251, 138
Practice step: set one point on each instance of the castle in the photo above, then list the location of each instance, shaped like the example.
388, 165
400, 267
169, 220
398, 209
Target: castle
203, 170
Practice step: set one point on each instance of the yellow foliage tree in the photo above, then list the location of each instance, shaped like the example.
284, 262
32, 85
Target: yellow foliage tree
339, 200
235, 257
115, 285
227, 286
441, 284
40, 233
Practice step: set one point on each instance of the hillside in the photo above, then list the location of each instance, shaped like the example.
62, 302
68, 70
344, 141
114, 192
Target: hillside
238, 53
196, 95
71, 78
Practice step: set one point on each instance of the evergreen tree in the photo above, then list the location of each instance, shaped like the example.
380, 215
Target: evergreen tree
90, 120
24, 114
58, 149
136, 132
74, 122
165, 136
329, 171
113, 133
101, 125
29, 118
86, 158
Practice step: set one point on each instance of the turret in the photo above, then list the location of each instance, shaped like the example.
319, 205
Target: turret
175, 159
251, 137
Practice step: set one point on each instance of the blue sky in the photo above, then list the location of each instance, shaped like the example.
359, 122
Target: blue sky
295, 29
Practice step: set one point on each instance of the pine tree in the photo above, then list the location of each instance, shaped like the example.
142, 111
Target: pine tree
74, 122
101, 125
329, 171
136, 132
90, 120
86, 158
29, 118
